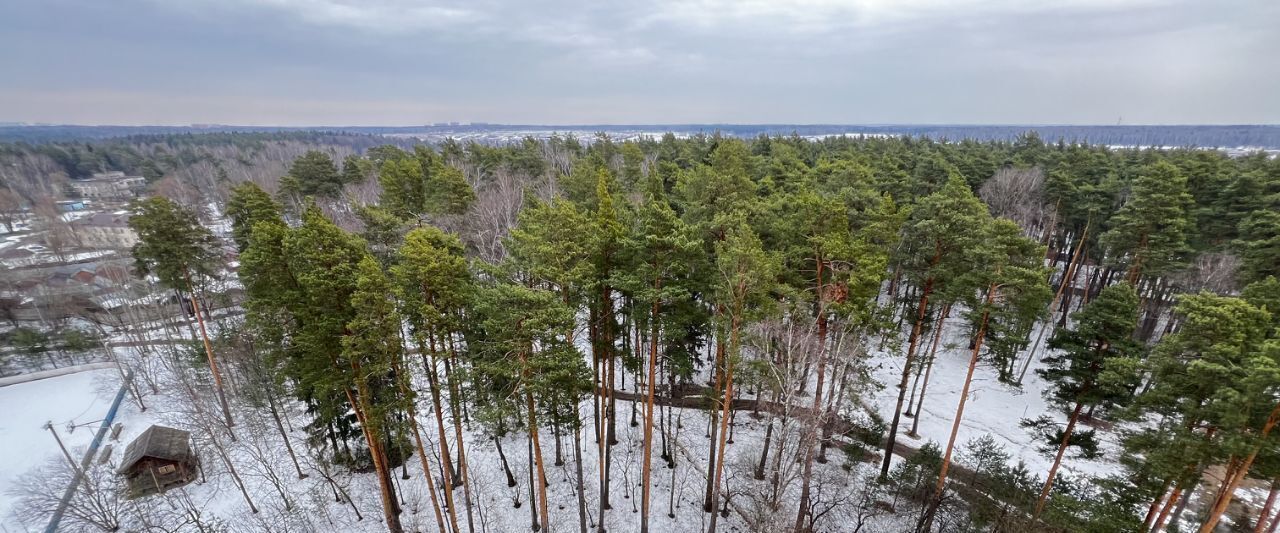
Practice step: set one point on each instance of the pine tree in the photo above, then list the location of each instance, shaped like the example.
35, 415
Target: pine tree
838, 265
173, 246
447, 189
383, 232
712, 197
746, 277
522, 328
1149, 234
403, 187
661, 248
1020, 296
1012, 269
632, 165
422, 183
435, 289
930, 173
548, 247
247, 206
264, 270
303, 283
1093, 365
937, 254
1265, 294
371, 350
315, 175
562, 381
1214, 381
607, 234
1259, 244
356, 169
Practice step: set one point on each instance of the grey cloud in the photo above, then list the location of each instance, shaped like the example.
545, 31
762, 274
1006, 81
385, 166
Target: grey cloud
313, 62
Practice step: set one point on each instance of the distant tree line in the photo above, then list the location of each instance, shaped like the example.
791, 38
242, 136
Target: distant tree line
1230, 136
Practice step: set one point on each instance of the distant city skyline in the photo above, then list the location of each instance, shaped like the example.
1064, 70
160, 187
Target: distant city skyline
409, 63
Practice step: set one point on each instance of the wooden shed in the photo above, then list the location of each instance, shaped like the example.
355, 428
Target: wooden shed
158, 460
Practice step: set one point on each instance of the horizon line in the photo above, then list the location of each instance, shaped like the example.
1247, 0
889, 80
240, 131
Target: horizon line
460, 124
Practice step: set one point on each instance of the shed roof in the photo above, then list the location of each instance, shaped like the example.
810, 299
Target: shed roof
158, 442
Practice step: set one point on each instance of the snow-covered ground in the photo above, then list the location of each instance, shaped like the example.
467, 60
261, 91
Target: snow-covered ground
993, 407
82, 398
79, 400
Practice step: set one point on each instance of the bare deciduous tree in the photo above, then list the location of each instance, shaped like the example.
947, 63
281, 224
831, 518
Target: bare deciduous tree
96, 506
494, 214
181, 192
59, 236
174, 511
10, 208
1210, 271
1018, 195
31, 175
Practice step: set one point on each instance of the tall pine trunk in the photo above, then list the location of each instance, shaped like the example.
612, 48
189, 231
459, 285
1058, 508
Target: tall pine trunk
809, 436
213, 361
1068, 280
928, 370
444, 443
717, 369
1154, 508
671, 499
1265, 514
650, 385
1135, 270
455, 408
426, 469
390, 510
412, 415
1182, 505
1173, 500
537, 446
955, 424
724, 420
912, 341
1230, 484
1275, 521
1057, 460
534, 523
577, 459
611, 437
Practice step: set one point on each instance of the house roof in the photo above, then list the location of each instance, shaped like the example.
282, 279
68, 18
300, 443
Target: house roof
105, 220
157, 442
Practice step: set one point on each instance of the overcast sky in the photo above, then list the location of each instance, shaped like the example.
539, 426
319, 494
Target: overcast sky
407, 62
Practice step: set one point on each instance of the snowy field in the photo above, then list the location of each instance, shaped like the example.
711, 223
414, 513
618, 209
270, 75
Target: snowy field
993, 408
80, 399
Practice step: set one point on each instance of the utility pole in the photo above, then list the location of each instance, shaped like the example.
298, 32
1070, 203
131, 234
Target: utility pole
88, 454
49, 426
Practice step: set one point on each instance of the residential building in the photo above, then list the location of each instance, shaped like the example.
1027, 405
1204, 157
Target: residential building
106, 231
109, 186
